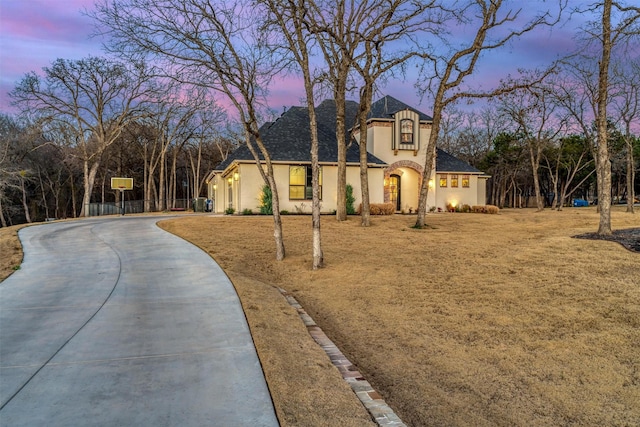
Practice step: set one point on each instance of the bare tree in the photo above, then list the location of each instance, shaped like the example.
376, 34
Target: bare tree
95, 97
532, 109
626, 104
488, 21
214, 44
626, 27
351, 36
571, 157
290, 17
388, 23
333, 24
469, 135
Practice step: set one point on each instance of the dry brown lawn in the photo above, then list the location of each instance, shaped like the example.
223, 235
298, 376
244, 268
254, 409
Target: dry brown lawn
10, 250
478, 320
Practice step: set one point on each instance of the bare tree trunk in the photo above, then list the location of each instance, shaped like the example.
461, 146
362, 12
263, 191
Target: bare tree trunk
161, 181
341, 206
44, 195
3, 220
631, 175
603, 165
89, 177
24, 199
428, 165
174, 178
74, 202
145, 179
535, 166
366, 99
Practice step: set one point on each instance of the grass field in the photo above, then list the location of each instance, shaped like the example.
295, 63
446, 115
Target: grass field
477, 320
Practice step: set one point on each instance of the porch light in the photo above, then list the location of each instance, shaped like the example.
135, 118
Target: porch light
230, 181
431, 184
236, 176
215, 187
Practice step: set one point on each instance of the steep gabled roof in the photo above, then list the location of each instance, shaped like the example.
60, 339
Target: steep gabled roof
386, 107
445, 162
288, 139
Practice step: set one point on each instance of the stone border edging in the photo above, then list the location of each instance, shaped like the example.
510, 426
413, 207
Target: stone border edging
370, 398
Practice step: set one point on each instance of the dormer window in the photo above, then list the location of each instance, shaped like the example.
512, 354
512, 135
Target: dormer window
406, 131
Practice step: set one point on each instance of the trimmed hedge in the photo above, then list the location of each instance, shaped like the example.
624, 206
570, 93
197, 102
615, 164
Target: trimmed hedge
379, 209
488, 209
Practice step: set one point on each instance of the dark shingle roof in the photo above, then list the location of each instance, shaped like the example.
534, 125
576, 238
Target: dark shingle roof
288, 139
445, 162
386, 107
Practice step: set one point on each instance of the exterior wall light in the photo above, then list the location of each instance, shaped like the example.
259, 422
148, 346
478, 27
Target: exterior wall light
230, 181
236, 176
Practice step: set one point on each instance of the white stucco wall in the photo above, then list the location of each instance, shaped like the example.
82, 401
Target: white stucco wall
246, 191
460, 195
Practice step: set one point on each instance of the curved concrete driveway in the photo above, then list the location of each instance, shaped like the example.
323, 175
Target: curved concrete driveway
114, 322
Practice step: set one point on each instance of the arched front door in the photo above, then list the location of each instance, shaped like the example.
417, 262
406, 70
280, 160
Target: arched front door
394, 191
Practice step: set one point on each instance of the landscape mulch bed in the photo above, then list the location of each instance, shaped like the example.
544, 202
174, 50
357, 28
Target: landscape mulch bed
629, 238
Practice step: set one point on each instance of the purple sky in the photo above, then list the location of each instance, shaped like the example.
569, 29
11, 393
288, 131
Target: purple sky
33, 33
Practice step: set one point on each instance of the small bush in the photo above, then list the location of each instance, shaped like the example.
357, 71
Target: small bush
229, 211
465, 208
488, 209
491, 209
351, 210
380, 208
266, 201
284, 212
247, 211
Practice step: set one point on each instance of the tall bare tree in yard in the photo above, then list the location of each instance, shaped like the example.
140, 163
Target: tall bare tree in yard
386, 23
95, 97
291, 18
333, 24
351, 36
214, 44
488, 21
608, 34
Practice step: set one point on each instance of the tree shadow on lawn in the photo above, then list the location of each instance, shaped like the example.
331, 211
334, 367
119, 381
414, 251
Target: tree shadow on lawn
629, 238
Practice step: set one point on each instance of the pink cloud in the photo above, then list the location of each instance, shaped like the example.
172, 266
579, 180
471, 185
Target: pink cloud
34, 33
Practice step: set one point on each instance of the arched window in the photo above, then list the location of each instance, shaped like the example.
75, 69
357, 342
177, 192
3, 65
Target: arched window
406, 131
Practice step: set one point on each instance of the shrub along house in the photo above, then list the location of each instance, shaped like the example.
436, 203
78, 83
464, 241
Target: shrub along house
397, 140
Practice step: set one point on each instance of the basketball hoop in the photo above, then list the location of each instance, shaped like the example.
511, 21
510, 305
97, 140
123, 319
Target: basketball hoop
122, 184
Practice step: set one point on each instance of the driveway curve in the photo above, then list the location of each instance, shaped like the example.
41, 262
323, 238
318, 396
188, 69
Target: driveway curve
117, 322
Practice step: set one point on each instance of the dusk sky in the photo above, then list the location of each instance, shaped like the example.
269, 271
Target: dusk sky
34, 33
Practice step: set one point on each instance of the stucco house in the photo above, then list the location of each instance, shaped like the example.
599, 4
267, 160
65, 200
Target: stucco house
397, 140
